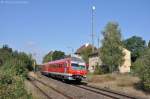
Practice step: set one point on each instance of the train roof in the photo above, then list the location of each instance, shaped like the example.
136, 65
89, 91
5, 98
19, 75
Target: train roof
76, 59
55, 61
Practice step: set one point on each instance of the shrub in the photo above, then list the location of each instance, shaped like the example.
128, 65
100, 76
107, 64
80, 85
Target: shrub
13, 71
142, 69
12, 87
98, 70
17, 67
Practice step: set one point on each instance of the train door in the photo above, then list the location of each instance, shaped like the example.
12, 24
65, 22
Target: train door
65, 67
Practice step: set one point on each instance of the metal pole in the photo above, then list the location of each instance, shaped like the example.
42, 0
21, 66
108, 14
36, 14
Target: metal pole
98, 42
34, 64
72, 50
93, 8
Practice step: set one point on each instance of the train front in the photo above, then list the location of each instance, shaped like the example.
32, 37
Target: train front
78, 69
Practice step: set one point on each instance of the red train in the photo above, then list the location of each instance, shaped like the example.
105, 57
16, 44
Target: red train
72, 68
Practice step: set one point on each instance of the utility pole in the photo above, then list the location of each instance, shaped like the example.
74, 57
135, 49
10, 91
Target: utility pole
72, 50
98, 41
34, 63
93, 9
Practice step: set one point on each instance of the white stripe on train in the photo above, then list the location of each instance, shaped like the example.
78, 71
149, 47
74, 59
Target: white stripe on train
56, 73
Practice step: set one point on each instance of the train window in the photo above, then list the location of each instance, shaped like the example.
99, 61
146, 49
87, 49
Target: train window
77, 66
60, 65
82, 67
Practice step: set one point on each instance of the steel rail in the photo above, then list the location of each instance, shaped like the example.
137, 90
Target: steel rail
114, 92
58, 91
48, 97
105, 92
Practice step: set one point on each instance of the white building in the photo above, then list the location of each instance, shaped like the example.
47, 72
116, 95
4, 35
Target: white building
95, 60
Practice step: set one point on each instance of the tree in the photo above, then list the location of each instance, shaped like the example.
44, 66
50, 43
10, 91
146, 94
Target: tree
149, 44
53, 56
111, 52
48, 57
19, 61
13, 71
142, 66
58, 55
84, 51
6, 47
136, 45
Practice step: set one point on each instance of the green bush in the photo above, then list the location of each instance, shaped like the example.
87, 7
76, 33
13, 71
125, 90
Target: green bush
12, 87
137, 67
14, 67
142, 69
98, 70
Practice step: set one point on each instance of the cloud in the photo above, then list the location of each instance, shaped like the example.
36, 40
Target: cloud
14, 2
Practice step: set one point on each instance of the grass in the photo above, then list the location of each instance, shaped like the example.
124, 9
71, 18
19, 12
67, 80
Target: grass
100, 78
121, 80
124, 83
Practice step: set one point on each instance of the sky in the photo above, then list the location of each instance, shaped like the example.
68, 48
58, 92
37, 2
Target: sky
39, 26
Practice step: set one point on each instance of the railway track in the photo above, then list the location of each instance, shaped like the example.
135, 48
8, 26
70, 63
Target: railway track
105, 92
44, 93
99, 91
32, 80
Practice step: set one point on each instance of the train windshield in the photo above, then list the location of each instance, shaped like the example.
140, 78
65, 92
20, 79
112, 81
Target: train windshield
77, 67
82, 67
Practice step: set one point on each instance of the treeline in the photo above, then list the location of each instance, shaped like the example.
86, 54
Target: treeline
14, 67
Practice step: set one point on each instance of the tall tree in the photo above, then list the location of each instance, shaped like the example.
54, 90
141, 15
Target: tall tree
111, 52
136, 45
